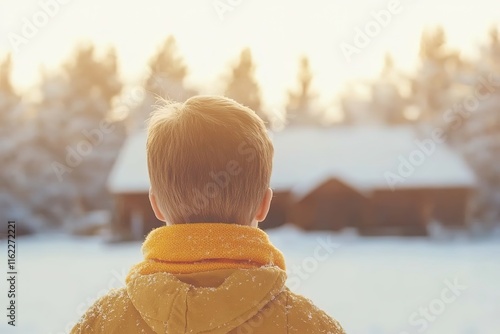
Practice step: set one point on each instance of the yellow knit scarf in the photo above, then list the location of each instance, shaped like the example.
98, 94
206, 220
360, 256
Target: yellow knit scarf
190, 248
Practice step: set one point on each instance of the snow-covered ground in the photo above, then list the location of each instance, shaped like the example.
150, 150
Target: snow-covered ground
371, 285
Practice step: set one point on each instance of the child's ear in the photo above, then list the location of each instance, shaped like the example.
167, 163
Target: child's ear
155, 207
264, 205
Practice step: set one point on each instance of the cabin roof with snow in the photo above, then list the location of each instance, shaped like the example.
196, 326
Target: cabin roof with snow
362, 157
130, 171
307, 157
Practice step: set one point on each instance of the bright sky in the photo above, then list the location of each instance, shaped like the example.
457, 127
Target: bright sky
278, 31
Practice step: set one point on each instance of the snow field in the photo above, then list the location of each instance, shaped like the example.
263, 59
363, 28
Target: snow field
371, 285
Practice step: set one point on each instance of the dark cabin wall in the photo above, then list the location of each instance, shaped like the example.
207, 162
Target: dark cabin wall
332, 206
450, 206
279, 211
402, 212
132, 206
411, 210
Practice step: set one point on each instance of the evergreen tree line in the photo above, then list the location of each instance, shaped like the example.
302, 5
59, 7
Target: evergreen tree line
450, 93
58, 143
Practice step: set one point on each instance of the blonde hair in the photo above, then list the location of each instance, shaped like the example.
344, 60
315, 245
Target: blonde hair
209, 160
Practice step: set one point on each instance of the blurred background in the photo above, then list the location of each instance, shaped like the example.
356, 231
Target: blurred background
385, 116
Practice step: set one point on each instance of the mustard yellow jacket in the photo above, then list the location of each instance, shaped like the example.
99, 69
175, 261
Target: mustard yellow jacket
211, 285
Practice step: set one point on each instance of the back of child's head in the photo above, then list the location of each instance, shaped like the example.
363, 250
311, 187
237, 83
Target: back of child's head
209, 160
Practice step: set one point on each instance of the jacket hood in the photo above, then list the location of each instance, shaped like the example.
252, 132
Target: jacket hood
207, 302
206, 278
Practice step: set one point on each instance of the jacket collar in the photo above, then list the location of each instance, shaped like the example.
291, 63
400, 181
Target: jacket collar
198, 247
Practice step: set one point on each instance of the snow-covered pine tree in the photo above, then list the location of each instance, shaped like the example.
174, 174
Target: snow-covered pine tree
431, 88
10, 109
387, 101
166, 76
478, 133
301, 108
242, 85
79, 140
15, 135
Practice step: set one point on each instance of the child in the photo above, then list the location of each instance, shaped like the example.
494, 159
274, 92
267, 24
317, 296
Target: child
210, 269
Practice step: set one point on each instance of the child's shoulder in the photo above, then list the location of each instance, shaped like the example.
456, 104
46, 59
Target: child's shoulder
112, 313
304, 316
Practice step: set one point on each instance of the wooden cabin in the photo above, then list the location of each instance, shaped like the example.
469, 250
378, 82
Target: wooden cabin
450, 205
328, 178
337, 180
134, 217
400, 212
331, 206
